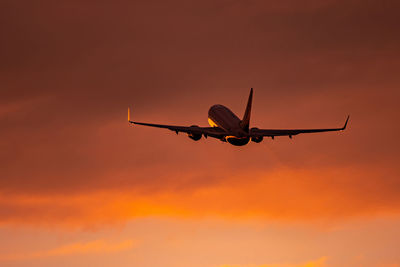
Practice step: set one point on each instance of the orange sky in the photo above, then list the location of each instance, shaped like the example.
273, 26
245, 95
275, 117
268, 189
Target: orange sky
79, 186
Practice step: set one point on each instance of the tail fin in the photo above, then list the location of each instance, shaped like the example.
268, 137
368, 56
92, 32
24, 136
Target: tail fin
245, 123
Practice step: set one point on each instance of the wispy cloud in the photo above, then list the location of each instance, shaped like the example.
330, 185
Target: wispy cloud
279, 195
92, 247
80, 144
314, 263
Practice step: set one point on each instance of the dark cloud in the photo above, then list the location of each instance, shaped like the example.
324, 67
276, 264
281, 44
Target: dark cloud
69, 69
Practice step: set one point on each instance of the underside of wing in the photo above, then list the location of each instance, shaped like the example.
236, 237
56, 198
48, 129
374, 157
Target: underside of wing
255, 132
192, 131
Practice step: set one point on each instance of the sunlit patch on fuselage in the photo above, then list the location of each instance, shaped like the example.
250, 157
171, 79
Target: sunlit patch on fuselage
212, 123
222, 117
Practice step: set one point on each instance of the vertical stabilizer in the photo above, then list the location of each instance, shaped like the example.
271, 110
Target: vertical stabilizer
246, 118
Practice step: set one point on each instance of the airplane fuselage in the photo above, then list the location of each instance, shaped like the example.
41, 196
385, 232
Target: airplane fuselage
223, 117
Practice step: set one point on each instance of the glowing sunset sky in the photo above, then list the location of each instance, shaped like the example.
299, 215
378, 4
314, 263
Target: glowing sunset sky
81, 187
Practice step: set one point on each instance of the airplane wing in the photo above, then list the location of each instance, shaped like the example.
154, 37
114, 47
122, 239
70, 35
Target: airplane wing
215, 132
207, 131
289, 132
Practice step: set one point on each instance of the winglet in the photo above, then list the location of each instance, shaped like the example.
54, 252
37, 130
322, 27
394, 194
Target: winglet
345, 124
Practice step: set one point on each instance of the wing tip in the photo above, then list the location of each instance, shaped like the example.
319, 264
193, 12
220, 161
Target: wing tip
129, 116
345, 124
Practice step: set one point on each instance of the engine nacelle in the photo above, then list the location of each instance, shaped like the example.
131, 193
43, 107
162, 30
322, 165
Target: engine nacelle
193, 135
256, 139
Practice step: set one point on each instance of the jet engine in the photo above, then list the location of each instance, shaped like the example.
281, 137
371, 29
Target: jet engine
193, 135
256, 139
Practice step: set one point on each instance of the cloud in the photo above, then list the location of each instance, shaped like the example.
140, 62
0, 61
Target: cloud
283, 195
315, 263
92, 247
74, 149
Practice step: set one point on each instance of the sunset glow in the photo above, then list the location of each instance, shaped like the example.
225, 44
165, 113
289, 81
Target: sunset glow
80, 186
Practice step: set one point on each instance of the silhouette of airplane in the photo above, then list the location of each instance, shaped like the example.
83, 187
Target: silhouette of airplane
227, 127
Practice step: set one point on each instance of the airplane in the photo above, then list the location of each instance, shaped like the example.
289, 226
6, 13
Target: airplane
227, 127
